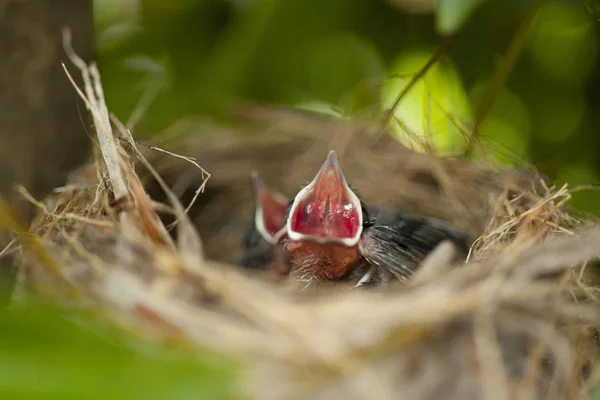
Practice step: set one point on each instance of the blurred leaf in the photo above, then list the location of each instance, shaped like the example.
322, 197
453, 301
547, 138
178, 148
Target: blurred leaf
581, 173
506, 129
116, 35
593, 6
44, 355
109, 12
346, 70
320, 108
154, 73
558, 113
564, 44
452, 14
326, 57
436, 110
231, 57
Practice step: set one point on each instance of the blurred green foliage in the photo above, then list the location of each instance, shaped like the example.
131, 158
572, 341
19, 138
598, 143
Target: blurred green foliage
179, 58
451, 15
348, 57
435, 111
46, 355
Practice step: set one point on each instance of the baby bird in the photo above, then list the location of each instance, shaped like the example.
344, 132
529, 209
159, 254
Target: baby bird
327, 233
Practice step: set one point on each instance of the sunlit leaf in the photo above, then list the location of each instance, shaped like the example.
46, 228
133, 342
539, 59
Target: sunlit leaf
435, 111
452, 14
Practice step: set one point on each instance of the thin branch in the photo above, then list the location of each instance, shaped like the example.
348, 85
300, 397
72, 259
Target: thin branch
94, 99
435, 57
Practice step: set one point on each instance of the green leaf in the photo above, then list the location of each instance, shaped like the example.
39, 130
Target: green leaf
564, 43
436, 111
44, 355
452, 14
346, 70
320, 107
593, 6
506, 130
578, 173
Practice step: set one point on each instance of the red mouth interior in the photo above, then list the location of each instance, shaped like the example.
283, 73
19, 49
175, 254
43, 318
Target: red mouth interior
327, 209
273, 211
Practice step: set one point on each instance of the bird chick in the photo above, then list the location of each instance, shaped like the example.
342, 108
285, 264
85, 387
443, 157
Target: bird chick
327, 233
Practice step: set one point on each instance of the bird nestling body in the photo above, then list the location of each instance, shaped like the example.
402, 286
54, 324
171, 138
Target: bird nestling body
327, 233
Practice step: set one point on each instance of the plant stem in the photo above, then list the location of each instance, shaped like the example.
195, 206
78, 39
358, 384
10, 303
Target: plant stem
435, 57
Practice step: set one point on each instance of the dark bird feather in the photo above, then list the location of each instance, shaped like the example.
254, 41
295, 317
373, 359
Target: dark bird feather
400, 241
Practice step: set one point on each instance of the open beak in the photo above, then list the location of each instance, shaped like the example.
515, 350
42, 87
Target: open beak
327, 210
271, 210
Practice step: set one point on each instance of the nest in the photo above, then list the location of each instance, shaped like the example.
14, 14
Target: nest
517, 321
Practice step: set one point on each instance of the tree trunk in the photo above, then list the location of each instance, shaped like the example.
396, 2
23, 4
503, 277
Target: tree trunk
42, 130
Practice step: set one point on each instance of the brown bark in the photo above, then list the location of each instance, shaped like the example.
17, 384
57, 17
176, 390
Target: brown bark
42, 123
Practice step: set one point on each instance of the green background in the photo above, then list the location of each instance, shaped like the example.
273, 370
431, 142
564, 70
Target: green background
347, 57
342, 57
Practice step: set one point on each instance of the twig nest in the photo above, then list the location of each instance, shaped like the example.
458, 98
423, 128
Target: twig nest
512, 323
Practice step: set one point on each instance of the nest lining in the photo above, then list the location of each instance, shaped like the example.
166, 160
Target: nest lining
514, 322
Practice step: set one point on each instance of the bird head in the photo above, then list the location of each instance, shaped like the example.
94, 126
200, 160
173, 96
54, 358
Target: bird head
270, 213
325, 224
